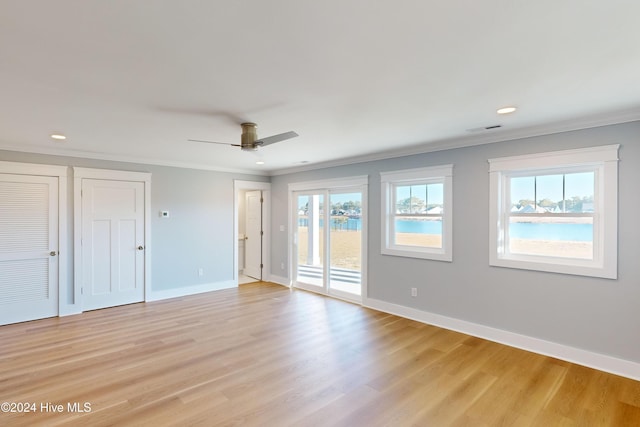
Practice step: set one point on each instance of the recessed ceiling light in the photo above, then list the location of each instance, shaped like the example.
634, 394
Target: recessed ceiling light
506, 110
58, 136
260, 162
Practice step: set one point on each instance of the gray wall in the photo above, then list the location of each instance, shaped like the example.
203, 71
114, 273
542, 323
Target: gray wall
199, 233
599, 315
594, 314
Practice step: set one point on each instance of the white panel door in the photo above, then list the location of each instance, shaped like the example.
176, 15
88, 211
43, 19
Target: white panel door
112, 243
253, 232
28, 247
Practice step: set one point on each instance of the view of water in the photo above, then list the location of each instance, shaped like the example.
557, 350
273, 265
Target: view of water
351, 224
422, 227
520, 230
537, 231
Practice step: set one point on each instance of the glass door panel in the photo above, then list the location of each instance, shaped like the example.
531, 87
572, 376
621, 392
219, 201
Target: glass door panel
310, 243
345, 243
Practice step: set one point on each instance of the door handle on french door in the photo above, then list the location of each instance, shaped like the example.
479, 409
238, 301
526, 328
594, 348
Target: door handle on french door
53, 253
140, 248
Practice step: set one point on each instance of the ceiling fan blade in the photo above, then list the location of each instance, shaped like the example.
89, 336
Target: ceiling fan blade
275, 138
214, 142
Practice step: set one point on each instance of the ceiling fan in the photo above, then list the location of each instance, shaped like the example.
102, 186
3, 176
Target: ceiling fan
249, 139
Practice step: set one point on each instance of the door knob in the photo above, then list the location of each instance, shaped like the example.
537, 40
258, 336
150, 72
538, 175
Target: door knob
246, 237
140, 248
53, 253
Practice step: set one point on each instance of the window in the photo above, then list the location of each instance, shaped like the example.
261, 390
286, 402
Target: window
556, 211
416, 213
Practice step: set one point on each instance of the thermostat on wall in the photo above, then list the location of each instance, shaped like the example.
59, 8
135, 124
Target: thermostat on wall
164, 214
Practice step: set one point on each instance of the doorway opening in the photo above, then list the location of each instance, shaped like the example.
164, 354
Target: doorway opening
328, 244
251, 214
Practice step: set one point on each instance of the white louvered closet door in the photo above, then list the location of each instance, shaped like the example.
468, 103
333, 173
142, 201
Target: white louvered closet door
28, 247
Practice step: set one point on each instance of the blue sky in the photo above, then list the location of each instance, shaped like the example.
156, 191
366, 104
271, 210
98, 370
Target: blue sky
434, 194
550, 187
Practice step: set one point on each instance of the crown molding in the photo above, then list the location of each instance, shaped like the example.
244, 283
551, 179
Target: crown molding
488, 137
124, 158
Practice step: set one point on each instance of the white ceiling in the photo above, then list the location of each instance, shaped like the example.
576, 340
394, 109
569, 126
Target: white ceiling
133, 80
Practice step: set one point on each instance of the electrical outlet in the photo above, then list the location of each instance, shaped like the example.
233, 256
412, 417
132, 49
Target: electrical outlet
200, 272
414, 292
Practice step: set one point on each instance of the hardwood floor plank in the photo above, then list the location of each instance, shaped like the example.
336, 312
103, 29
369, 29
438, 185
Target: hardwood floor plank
263, 355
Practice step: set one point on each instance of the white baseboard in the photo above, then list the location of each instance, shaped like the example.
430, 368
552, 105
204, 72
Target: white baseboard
279, 280
590, 359
69, 310
190, 290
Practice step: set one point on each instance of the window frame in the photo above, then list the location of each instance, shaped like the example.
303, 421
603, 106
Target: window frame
603, 161
420, 176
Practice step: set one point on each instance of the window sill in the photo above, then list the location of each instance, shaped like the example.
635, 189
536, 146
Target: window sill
561, 266
421, 253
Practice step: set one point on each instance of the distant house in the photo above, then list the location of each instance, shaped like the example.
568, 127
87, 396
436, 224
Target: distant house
532, 209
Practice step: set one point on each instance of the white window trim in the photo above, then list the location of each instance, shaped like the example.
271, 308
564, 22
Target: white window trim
443, 173
604, 160
334, 183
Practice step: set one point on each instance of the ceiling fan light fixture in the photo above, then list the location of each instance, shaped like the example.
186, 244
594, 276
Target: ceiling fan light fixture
58, 136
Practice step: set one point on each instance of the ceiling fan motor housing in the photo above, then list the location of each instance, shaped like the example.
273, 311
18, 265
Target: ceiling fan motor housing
249, 136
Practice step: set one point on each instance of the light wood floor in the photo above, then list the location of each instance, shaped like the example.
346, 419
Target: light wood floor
262, 355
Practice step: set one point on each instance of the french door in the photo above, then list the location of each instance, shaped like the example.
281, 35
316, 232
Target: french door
329, 227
